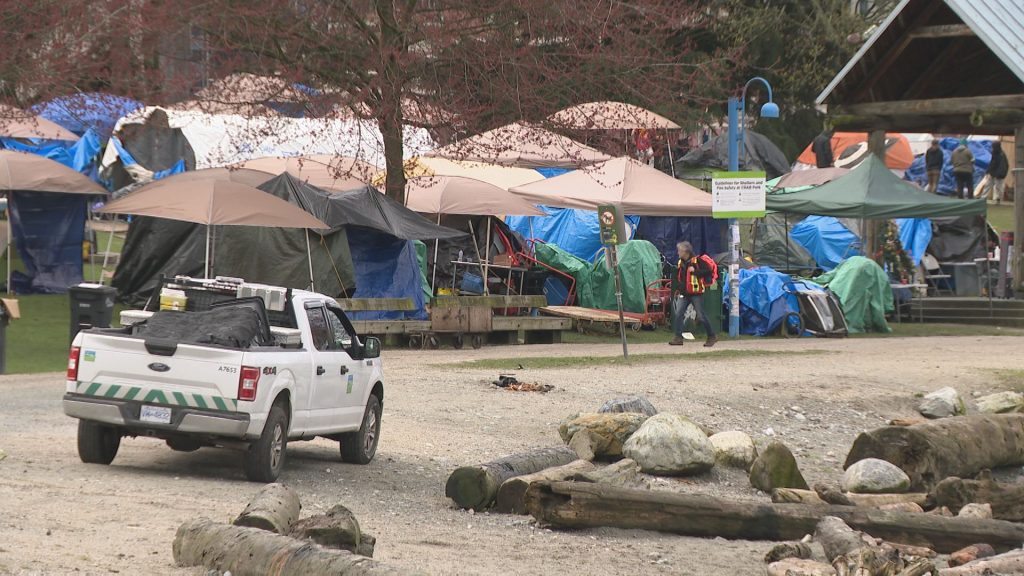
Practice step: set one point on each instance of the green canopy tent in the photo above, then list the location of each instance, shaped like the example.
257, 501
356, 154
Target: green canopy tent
870, 191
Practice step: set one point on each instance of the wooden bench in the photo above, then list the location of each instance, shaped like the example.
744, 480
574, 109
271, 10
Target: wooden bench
389, 330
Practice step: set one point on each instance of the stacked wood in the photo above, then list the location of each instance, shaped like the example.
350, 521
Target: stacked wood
1007, 500
795, 496
511, 492
274, 508
1008, 564
855, 553
248, 551
933, 451
578, 505
476, 487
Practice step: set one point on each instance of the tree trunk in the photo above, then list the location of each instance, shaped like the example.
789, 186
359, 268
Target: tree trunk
476, 487
795, 496
274, 508
254, 552
624, 473
393, 47
577, 505
1009, 564
337, 528
961, 446
511, 492
1007, 500
390, 124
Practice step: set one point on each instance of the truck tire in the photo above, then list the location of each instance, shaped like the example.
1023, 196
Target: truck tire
360, 447
97, 444
183, 444
265, 458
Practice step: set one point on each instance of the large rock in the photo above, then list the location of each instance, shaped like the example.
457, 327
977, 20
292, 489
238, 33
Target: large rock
942, 403
637, 404
776, 468
874, 476
1001, 403
976, 510
670, 445
609, 431
799, 567
734, 449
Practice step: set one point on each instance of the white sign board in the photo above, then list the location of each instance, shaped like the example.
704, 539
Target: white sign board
738, 195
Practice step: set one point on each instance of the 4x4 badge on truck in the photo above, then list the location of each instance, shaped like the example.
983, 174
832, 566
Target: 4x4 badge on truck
159, 367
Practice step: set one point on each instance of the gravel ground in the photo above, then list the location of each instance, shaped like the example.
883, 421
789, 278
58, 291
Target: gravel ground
58, 515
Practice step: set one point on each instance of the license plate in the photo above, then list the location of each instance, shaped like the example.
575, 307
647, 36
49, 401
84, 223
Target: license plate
155, 414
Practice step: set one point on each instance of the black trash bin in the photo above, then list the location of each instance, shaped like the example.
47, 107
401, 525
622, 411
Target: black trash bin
4, 321
92, 306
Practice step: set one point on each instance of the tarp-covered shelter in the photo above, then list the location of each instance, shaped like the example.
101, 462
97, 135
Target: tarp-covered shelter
851, 148
980, 149
863, 290
707, 235
758, 153
83, 111
639, 263
765, 300
871, 191
773, 247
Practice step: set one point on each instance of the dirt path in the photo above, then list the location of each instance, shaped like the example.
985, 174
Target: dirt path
58, 515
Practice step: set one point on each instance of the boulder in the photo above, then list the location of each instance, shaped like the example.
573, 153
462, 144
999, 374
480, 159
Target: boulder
776, 467
734, 449
976, 510
942, 403
1001, 403
637, 404
874, 476
800, 567
583, 443
610, 431
670, 445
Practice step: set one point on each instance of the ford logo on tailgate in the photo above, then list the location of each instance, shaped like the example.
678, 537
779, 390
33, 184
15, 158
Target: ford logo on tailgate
159, 367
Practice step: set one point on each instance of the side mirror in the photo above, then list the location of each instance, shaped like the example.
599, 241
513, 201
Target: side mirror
372, 348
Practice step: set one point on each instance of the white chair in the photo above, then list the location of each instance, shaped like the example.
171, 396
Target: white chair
934, 277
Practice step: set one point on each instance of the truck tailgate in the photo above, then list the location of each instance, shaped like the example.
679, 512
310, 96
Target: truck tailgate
120, 367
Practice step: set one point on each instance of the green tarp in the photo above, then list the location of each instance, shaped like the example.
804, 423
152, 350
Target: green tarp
870, 191
421, 258
639, 263
864, 293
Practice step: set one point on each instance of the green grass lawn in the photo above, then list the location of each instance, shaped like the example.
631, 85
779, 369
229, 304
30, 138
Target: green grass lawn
540, 362
1001, 217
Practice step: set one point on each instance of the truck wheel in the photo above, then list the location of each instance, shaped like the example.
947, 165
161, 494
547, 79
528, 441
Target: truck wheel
360, 447
265, 457
97, 444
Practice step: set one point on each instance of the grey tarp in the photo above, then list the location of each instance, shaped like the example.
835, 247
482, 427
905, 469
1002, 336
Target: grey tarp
760, 153
369, 208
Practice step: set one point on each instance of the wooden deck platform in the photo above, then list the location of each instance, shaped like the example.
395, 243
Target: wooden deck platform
591, 315
981, 311
504, 329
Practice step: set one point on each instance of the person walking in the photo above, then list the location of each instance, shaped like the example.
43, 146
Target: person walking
822, 148
998, 168
933, 162
963, 170
691, 278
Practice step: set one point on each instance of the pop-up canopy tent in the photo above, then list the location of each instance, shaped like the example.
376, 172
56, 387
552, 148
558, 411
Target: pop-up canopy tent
325, 171
870, 191
47, 206
15, 123
851, 148
523, 146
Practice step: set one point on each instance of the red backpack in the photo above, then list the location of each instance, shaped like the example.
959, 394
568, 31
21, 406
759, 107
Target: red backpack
714, 269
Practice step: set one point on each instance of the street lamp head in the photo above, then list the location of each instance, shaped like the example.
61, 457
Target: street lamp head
770, 110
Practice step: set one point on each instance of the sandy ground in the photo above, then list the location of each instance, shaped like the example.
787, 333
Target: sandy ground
58, 515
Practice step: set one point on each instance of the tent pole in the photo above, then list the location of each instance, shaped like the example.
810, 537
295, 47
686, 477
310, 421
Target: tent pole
206, 270
988, 272
9, 239
433, 273
671, 162
476, 248
110, 244
92, 261
487, 255
309, 258
785, 225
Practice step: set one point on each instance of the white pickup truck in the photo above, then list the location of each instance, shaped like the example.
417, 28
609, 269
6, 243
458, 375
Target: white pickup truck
248, 366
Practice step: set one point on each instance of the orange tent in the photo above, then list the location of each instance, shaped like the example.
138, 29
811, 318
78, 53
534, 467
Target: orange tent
850, 148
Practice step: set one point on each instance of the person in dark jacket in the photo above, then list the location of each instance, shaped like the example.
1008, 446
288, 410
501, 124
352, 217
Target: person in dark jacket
690, 279
822, 148
933, 162
998, 168
963, 170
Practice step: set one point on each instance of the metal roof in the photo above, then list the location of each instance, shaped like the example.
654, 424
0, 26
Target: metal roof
999, 24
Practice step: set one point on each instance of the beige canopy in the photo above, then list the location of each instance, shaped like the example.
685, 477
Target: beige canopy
215, 196
334, 173
810, 177
31, 172
16, 123
610, 116
523, 146
503, 177
637, 188
245, 88
460, 195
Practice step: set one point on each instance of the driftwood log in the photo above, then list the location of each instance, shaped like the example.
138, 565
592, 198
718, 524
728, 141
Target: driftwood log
253, 552
511, 492
960, 446
476, 487
1007, 500
854, 553
796, 496
337, 528
1008, 564
579, 505
274, 508
623, 473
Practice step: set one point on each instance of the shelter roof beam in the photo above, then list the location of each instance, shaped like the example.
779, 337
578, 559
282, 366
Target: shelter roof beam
880, 69
943, 31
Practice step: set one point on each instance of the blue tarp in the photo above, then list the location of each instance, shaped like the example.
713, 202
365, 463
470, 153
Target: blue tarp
982, 150
764, 300
79, 156
94, 111
48, 230
575, 231
915, 235
385, 267
707, 235
826, 239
